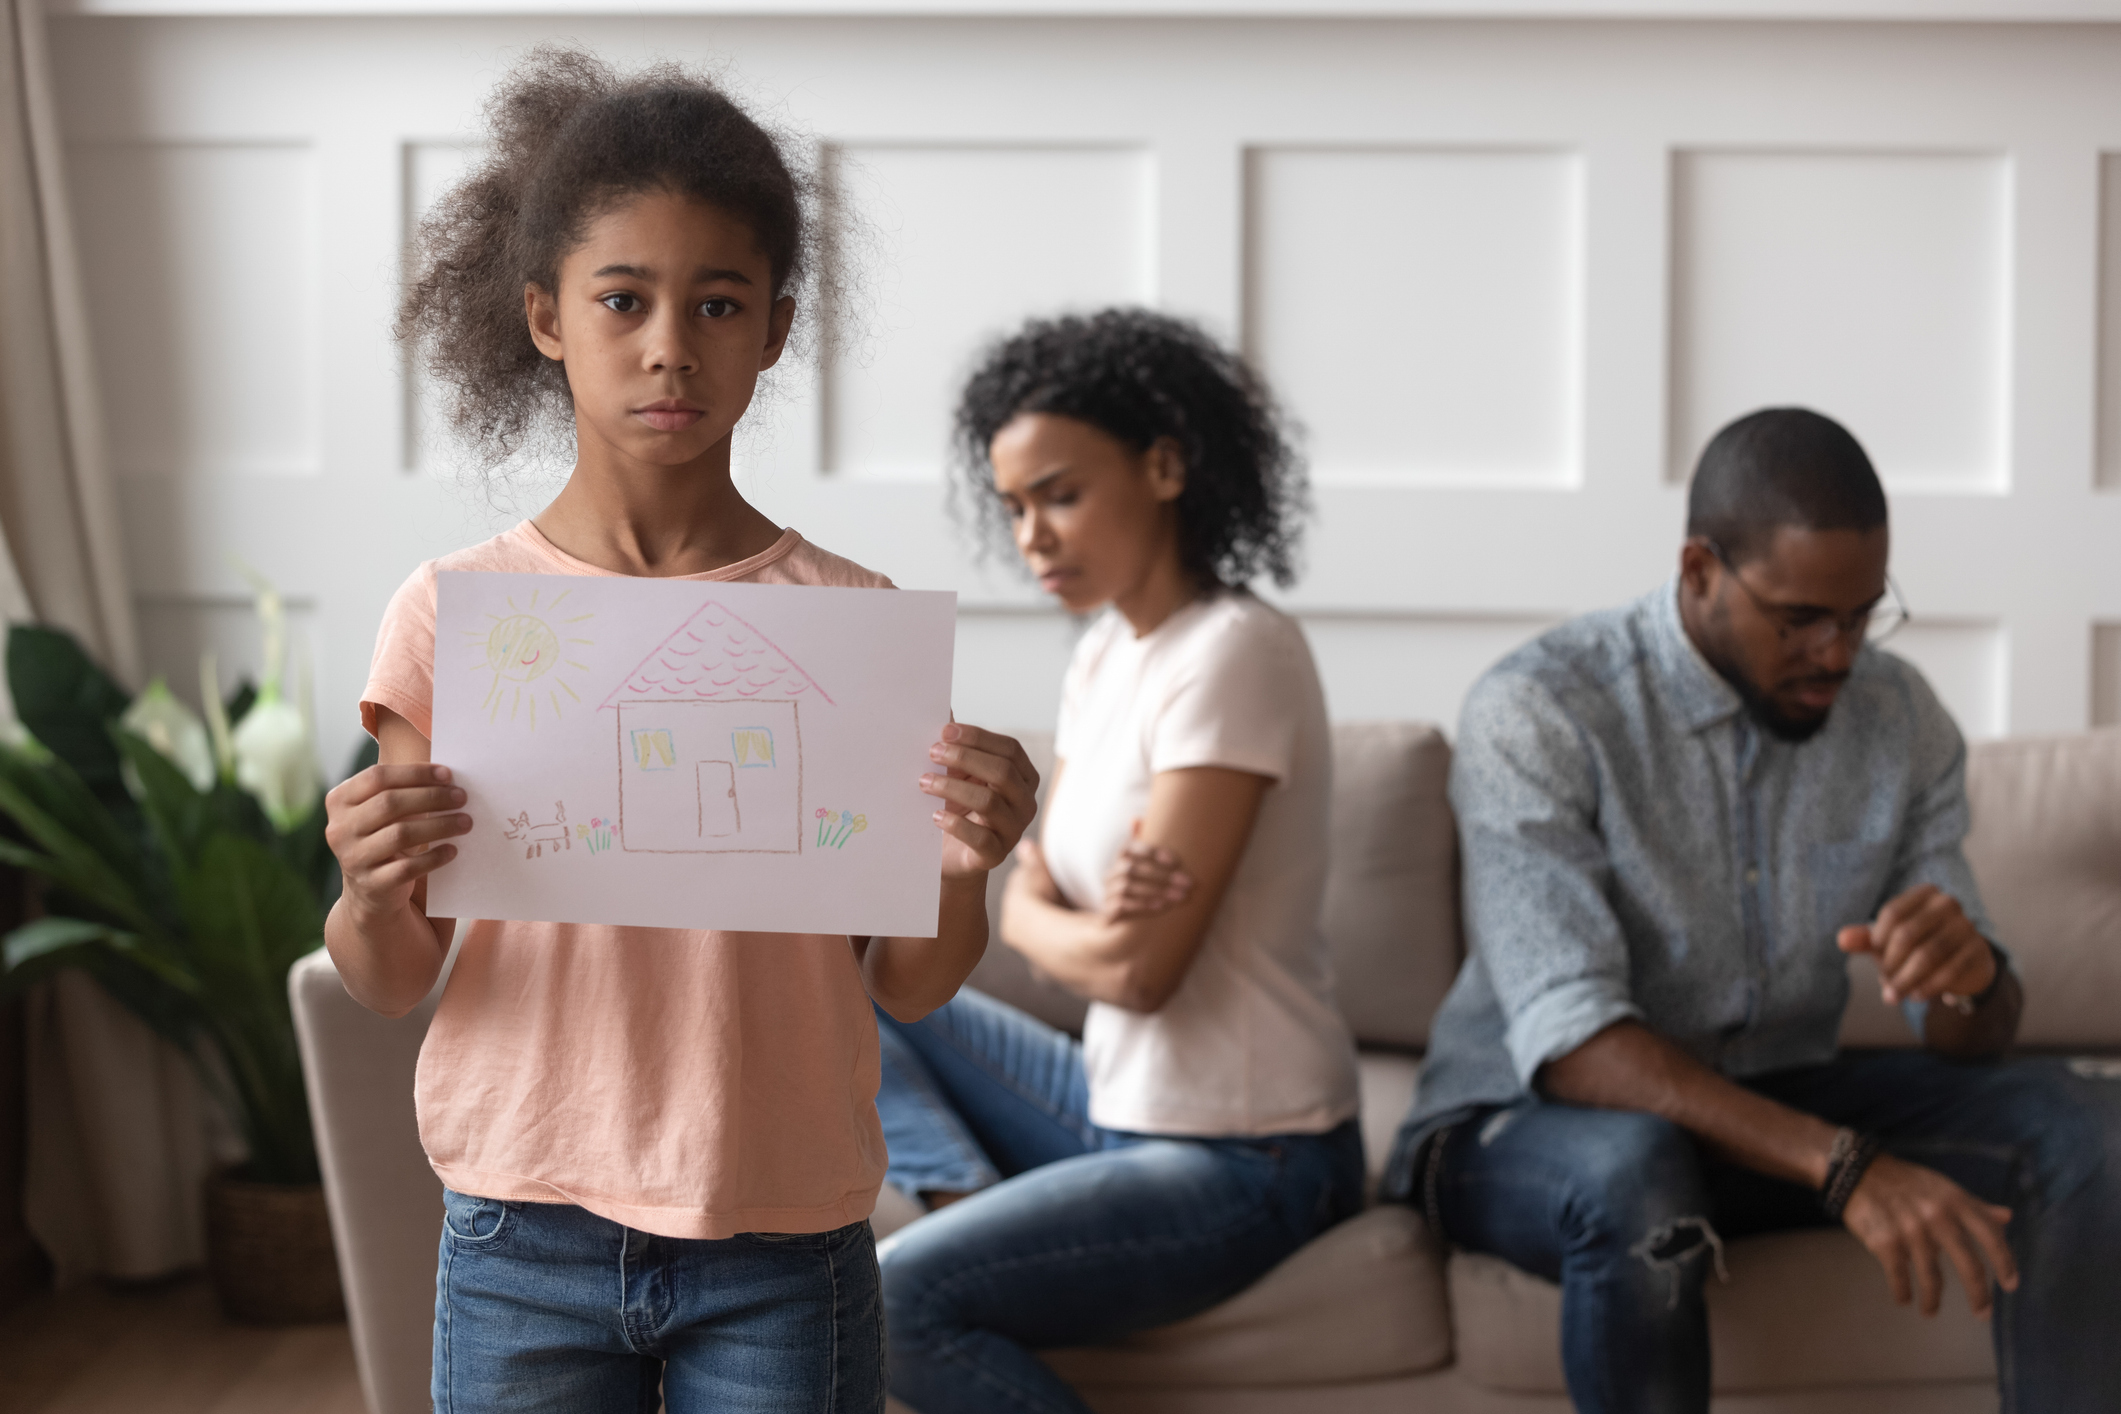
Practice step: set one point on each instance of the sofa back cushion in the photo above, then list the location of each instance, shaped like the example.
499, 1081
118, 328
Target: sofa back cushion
2046, 847
1391, 910
1391, 914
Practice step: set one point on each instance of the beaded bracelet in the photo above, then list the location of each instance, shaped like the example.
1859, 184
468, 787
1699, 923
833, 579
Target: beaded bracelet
1845, 1165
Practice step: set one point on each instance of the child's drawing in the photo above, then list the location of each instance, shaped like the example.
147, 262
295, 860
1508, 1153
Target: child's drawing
534, 838
527, 657
710, 742
836, 827
597, 834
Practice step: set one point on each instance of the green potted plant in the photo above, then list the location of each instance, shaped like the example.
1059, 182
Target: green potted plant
184, 868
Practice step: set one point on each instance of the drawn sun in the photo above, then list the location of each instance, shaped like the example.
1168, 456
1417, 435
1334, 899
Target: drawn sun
529, 659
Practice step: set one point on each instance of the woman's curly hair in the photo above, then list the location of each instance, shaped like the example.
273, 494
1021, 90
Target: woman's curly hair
568, 138
1139, 376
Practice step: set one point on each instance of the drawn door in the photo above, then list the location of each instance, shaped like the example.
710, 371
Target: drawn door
719, 816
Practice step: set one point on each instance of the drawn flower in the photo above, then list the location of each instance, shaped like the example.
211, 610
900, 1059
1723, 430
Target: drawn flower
861, 823
172, 729
822, 812
846, 817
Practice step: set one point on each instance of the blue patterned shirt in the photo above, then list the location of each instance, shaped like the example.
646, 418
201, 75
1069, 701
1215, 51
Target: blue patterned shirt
1637, 846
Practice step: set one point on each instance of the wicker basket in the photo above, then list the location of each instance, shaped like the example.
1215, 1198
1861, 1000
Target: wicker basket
269, 1252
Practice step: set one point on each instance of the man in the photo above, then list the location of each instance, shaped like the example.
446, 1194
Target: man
1677, 817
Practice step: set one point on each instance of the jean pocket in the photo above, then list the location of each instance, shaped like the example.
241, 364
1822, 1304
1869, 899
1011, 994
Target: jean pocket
826, 1238
474, 1221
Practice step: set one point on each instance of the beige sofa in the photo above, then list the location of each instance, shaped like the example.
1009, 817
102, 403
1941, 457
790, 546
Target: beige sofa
1374, 1316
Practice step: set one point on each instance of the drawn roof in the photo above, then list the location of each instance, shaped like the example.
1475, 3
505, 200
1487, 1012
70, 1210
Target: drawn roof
714, 656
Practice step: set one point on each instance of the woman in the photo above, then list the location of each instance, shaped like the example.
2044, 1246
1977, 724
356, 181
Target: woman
1203, 1130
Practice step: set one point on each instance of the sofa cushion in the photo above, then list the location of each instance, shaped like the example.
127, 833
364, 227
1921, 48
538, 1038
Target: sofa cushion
1802, 1309
1363, 1302
1388, 1079
2046, 848
1391, 912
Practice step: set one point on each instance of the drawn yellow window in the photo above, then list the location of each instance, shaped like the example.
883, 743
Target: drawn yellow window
752, 746
653, 750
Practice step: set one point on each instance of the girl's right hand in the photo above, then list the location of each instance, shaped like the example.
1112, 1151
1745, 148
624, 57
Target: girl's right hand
387, 825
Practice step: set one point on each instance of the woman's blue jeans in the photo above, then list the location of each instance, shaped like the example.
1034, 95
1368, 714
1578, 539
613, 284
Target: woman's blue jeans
1627, 1213
1076, 1235
546, 1306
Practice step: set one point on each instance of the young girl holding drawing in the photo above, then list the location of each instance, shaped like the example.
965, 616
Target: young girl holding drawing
659, 1147
1203, 1129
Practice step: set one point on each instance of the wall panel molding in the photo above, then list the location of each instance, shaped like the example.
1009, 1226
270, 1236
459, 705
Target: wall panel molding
1874, 286
202, 293
963, 241
1420, 309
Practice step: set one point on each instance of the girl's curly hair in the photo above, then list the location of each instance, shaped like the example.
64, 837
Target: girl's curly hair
568, 138
1138, 376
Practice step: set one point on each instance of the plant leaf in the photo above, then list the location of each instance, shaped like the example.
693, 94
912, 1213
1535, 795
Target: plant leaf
77, 864
179, 815
247, 917
66, 700
49, 935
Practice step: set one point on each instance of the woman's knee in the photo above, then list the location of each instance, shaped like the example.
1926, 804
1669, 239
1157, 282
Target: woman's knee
915, 1277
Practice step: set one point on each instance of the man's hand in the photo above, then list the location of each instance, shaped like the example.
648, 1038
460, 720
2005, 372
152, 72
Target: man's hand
1144, 879
1907, 1214
1926, 947
989, 790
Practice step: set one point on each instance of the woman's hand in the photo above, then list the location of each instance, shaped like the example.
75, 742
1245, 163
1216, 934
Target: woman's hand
989, 791
1144, 879
387, 826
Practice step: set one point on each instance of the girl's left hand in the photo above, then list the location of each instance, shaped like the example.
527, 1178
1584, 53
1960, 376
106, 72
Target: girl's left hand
989, 791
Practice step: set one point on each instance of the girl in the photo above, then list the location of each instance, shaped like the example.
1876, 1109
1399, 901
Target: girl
660, 1148
1203, 1130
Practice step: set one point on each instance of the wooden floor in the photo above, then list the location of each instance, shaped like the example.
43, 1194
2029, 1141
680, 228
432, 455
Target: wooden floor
166, 1351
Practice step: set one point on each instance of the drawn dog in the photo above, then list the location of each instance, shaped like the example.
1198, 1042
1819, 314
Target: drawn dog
534, 838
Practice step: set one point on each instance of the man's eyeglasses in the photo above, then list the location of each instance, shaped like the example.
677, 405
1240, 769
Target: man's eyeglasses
1815, 630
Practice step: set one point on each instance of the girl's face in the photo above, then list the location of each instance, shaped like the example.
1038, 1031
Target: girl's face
1094, 519
664, 318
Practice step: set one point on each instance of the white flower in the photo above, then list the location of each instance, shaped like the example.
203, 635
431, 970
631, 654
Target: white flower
275, 760
172, 729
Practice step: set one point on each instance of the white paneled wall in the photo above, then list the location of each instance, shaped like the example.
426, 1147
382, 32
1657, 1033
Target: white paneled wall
966, 240
194, 248
1872, 286
1463, 272
1508, 274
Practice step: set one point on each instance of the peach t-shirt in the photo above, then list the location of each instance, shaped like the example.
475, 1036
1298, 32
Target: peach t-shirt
689, 1084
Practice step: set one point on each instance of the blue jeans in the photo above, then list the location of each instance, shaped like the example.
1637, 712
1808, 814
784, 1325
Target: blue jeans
1077, 1235
1627, 1213
546, 1306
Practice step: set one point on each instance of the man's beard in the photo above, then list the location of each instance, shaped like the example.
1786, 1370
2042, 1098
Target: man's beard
1773, 719
1762, 709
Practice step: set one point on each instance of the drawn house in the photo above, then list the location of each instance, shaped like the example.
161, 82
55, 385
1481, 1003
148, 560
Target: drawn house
710, 742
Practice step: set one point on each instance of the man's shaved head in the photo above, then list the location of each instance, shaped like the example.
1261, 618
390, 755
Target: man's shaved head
1781, 467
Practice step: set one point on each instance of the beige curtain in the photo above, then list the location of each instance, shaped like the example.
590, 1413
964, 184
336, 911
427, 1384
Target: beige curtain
117, 1131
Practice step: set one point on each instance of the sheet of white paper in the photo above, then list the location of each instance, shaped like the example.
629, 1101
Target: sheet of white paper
680, 754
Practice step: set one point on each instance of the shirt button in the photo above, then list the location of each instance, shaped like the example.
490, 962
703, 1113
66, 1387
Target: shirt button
1752, 876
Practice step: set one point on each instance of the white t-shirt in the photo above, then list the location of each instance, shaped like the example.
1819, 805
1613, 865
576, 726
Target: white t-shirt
1252, 1042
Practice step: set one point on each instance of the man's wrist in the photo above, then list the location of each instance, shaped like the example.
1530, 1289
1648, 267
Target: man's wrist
1850, 1159
1969, 1004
